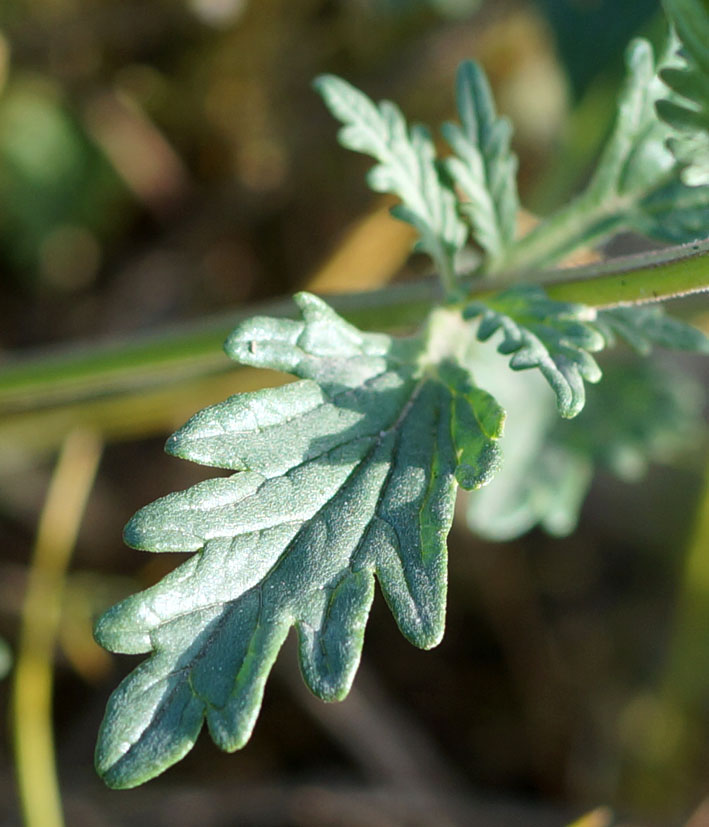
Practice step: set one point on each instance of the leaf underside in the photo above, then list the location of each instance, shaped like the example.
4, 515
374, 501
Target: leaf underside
640, 413
344, 476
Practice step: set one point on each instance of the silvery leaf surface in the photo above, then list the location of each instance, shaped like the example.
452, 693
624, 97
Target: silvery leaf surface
344, 476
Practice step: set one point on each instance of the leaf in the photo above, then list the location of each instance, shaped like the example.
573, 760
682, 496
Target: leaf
635, 159
345, 475
636, 185
485, 168
407, 168
540, 481
643, 327
547, 491
688, 113
555, 337
674, 213
642, 412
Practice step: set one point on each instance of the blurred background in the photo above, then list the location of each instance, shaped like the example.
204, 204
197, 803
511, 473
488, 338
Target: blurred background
165, 165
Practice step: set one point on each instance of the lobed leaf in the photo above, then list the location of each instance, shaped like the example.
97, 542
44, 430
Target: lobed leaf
555, 337
638, 170
346, 475
688, 111
484, 166
637, 183
406, 167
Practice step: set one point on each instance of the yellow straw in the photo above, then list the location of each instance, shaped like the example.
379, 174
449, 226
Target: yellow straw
58, 527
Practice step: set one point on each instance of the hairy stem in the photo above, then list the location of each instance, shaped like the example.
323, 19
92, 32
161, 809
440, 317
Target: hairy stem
578, 224
187, 353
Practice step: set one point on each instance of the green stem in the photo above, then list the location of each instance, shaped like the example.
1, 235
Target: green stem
194, 350
181, 352
637, 279
580, 223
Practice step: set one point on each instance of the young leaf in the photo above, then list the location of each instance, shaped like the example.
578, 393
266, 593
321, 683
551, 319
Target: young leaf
483, 167
555, 337
689, 113
345, 475
637, 171
635, 186
406, 168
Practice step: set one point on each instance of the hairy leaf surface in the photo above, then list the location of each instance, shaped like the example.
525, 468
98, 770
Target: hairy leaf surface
636, 184
345, 475
407, 167
688, 112
555, 337
636, 180
484, 166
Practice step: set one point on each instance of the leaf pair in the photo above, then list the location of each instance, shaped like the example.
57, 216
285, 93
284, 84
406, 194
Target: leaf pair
483, 168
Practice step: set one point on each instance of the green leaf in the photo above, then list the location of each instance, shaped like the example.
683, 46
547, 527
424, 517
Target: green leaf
636, 184
345, 475
688, 113
484, 168
407, 168
643, 327
637, 169
642, 412
555, 337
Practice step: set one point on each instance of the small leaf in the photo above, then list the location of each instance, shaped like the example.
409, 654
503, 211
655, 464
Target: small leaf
555, 337
484, 168
638, 171
344, 476
407, 168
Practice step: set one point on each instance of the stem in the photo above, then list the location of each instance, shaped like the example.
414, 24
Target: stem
106, 386
184, 352
638, 279
32, 689
578, 224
